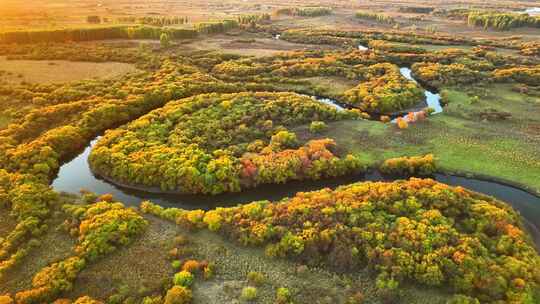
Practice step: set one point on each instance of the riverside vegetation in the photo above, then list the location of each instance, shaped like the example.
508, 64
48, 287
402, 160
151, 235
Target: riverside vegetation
200, 121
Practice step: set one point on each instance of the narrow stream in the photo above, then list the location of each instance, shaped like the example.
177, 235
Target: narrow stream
433, 100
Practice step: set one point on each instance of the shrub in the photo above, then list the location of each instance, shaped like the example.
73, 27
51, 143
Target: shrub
256, 278
183, 278
178, 295
283, 295
249, 293
191, 266
356, 298
213, 220
176, 264
410, 166
87, 300
402, 123
462, 299
164, 40
5, 299
317, 126
284, 139
104, 227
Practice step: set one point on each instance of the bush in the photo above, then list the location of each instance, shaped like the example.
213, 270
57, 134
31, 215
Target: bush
410, 166
191, 266
6, 300
183, 278
178, 295
256, 278
283, 295
462, 299
402, 123
317, 126
249, 293
284, 139
87, 300
176, 264
164, 40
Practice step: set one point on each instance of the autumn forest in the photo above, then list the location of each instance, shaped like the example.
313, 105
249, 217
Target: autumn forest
170, 152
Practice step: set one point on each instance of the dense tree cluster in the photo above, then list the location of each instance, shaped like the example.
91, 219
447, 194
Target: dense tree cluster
220, 143
216, 27
95, 33
103, 227
501, 21
116, 32
162, 21
416, 9
410, 166
530, 49
490, 19
381, 18
418, 230
304, 11
215, 143
253, 18
321, 36
57, 120
386, 46
91, 52
437, 75
526, 75
386, 91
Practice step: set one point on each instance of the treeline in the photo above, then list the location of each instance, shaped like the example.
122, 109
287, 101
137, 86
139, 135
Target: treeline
530, 48
91, 34
381, 18
501, 21
304, 11
416, 9
491, 19
215, 27
155, 20
115, 32
253, 18
407, 231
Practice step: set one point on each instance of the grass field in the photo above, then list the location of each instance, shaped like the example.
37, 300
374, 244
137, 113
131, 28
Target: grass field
459, 138
59, 71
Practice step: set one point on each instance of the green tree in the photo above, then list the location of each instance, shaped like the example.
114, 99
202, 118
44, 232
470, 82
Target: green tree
165, 40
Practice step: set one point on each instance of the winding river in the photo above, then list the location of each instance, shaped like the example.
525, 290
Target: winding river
76, 174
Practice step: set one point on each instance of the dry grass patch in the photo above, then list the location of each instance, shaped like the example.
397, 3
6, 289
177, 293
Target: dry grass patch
59, 71
7, 223
251, 46
54, 246
139, 268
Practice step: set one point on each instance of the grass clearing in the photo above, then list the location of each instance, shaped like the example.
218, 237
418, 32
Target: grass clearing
139, 269
54, 246
60, 71
461, 141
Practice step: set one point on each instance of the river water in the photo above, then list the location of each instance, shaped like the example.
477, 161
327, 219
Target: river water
76, 174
